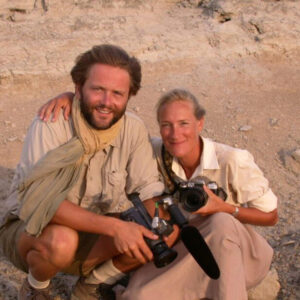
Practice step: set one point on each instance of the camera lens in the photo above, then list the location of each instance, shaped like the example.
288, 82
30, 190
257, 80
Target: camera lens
163, 255
193, 200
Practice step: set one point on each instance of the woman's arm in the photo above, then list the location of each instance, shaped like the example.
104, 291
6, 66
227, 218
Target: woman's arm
54, 105
248, 215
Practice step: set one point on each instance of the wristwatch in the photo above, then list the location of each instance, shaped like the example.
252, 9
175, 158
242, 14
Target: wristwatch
236, 212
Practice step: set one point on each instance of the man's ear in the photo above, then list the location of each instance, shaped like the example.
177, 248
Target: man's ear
77, 91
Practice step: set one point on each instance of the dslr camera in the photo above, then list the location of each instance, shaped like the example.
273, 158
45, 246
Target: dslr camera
193, 196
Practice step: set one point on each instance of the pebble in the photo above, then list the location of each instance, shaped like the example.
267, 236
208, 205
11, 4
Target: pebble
288, 243
245, 128
273, 121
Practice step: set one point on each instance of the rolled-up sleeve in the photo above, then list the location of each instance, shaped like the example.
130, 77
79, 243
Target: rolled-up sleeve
249, 183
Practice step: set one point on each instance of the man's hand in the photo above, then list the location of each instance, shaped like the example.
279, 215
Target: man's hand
129, 239
54, 105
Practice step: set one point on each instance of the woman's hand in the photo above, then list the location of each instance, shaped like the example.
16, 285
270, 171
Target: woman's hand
214, 204
54, 105
247, 215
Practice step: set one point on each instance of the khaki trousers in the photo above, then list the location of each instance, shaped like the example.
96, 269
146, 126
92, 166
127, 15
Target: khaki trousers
243, 256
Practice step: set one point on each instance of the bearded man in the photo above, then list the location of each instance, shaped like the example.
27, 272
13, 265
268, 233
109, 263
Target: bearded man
74, 175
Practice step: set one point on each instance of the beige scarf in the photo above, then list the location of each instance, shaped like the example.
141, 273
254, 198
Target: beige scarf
53, 176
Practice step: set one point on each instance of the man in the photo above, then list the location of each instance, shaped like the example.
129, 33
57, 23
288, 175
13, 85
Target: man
73, 175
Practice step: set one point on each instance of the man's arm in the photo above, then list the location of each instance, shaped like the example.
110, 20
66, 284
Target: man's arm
128, 237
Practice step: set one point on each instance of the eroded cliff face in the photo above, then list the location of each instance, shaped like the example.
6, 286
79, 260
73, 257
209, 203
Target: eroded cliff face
241, 58
40, 37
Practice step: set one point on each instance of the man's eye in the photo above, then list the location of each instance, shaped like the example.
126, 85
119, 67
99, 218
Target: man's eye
118, 93
97, 88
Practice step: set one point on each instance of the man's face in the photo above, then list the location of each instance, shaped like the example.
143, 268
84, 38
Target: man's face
104, 95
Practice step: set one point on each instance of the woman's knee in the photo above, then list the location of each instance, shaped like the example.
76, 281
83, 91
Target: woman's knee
220, 227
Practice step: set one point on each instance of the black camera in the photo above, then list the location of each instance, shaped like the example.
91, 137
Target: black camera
193, 196
163, 255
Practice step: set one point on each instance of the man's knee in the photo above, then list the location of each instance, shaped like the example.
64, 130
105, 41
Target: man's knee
57, 244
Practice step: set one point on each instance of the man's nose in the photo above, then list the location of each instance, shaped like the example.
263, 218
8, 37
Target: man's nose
106, 98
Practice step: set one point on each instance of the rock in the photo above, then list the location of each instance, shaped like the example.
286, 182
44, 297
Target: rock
268, 289
291, 163
273, 122
12, 139
296, 155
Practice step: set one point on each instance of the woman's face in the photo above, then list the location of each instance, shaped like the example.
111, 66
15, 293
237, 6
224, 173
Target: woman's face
180, 129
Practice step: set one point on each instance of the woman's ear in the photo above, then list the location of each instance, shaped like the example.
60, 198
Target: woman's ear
200, 124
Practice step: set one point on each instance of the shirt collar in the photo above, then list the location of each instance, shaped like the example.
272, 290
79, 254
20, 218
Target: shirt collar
208, 161
117, 141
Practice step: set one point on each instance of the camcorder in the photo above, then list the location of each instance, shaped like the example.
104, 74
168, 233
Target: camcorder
193, 196
189, 235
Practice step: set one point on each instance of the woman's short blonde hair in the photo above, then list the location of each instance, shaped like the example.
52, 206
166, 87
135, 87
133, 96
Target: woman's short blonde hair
180, 95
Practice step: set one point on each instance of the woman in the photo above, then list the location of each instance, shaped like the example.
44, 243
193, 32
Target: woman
243, 256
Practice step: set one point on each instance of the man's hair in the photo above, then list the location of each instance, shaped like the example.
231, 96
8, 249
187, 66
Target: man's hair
108, 55
180, 95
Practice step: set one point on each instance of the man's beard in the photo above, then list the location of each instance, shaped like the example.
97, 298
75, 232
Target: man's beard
88, 115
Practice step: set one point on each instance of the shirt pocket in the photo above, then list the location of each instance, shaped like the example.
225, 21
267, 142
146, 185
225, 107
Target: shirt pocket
116, 190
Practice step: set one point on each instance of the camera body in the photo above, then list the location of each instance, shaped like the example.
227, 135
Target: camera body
193, 196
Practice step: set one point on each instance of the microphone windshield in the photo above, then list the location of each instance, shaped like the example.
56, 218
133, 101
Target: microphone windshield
196, 245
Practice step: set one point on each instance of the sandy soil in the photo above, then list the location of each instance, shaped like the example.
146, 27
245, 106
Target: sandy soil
240, 59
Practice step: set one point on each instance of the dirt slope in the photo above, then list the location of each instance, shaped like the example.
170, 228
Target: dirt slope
241, 59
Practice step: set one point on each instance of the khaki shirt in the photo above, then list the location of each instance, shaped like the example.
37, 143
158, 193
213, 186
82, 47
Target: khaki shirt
232, 169
127, 165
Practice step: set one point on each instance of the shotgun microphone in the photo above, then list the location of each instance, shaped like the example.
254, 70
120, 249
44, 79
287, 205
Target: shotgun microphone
196, 245
192, 240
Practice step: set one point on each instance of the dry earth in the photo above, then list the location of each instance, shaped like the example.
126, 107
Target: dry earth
241, 58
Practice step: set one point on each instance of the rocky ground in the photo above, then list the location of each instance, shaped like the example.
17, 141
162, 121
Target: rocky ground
241, 58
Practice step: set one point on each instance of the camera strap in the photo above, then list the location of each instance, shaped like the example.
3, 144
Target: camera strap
167, 159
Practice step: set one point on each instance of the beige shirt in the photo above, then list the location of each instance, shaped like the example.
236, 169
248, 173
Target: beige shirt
127, 165
232, 169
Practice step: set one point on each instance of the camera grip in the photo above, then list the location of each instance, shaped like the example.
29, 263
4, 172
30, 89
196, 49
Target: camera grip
177, 215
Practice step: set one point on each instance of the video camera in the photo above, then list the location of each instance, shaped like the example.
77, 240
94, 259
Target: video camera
190, 236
